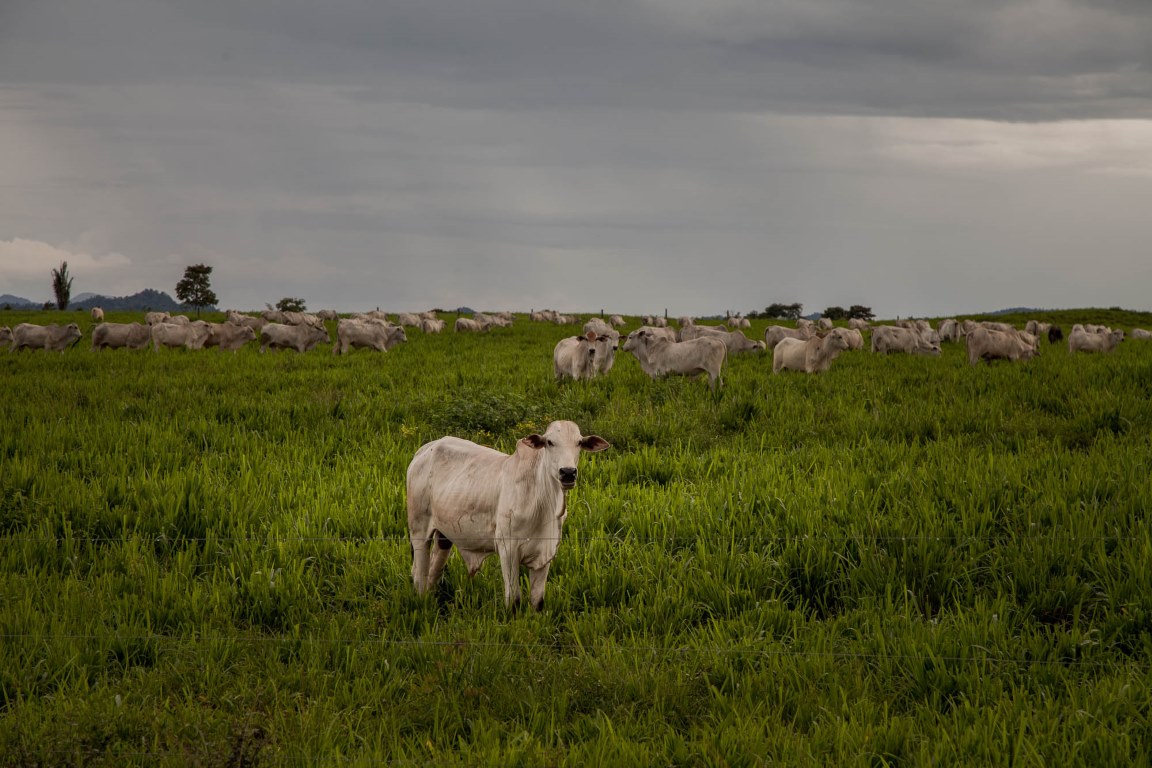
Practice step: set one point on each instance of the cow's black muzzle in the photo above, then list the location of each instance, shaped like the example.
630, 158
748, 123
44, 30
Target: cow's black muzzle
567, 477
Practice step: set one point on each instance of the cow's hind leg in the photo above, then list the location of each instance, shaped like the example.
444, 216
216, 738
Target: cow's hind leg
420, 546
439, 557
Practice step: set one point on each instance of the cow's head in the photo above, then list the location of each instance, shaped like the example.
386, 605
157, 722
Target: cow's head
561, 445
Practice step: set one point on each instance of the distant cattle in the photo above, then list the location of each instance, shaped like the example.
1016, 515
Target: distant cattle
890, 338
1082, 340
53, 338
230, 336
660, 357
97, 315
298, 337
1140, 333
482, 501
121, 336
774, 333
152, 318
192, 335
813, 355
5, 335
468, 325
431, 325
988, 344
367, 334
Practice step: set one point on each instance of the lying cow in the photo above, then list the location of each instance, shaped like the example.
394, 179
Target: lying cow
54, 338
483, 501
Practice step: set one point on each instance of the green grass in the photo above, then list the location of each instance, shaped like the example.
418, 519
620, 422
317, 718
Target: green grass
203, 560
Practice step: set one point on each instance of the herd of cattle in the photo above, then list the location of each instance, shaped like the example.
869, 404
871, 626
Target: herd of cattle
690, 350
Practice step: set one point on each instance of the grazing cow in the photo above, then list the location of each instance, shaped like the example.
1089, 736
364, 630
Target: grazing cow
660, 357
852, 337
1137, 333
97, 315
858, 324
774, 333
989, 344
121, 335
367, 334
191, 335
431, 325
483, 501
813, 355
328, 314
53, 338
298, 337
5, 335
574, 357
890, 338
616, 320
255, 323
949, 330
1082, 340
736, 341
468, 325
229, 336
410, 319
824, 323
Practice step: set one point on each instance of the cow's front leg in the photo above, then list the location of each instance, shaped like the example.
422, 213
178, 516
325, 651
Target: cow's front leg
537, 580
510, 569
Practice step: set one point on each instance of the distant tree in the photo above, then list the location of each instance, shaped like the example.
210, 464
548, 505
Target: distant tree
835, 313
783, 311
288, 304
860, 312
196, 289
62, 285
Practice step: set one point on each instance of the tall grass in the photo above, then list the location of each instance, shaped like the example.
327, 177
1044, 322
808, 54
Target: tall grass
204, 561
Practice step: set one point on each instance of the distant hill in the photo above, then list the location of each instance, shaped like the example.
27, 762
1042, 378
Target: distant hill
147, 299
17, 302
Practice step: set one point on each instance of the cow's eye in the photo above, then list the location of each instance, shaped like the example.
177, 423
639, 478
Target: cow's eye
550, 443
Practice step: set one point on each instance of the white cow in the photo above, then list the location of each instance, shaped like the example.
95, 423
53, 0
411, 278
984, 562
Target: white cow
1140, 333
660, 357
1082, 340
379, 335
431, 325
468, 325
53, 337
774, 333
483, 501
989, 344
192, 335
890, 338
97, 315
813, 355
121, 335
298, 337
574, 357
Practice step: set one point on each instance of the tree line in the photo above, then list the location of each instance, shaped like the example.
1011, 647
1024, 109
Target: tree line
796, 311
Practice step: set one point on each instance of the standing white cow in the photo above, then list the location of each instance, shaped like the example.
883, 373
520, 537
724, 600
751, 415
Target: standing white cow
483, 501
660, 357
813, 355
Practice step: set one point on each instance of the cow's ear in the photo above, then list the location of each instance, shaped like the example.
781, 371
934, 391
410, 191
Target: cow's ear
594, 443
534, 441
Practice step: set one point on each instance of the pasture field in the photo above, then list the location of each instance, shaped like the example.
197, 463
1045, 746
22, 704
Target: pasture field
203, 561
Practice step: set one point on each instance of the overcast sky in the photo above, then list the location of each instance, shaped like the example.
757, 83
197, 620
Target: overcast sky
921, 157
